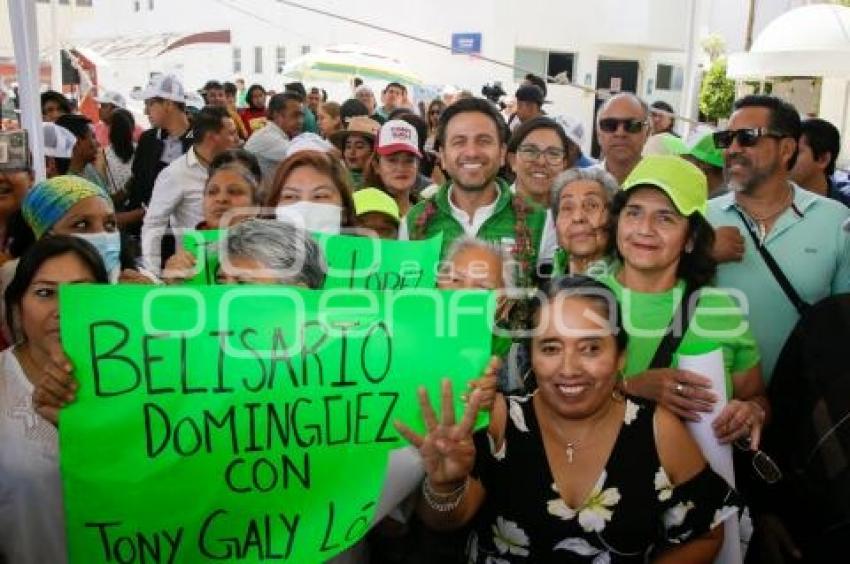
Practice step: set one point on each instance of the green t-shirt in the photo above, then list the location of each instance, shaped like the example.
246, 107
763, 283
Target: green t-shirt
717, 321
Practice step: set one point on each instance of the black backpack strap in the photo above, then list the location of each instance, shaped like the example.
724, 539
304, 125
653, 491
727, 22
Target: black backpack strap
672, 339
798, 302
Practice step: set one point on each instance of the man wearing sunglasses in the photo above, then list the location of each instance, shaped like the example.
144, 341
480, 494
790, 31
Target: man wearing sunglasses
622, 128
801, 230
765, 217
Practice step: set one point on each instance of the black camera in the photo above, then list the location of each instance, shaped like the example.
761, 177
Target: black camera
493, 92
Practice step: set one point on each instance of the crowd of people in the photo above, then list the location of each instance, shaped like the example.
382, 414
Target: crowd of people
727, 240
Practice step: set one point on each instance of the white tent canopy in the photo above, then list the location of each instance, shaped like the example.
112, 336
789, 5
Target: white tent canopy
808, 41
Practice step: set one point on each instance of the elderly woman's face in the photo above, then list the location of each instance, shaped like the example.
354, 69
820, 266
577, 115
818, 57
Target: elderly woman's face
538, 160
472, 268
227, 190
574, 356
306, 184
582, 224
39, 308
89, 215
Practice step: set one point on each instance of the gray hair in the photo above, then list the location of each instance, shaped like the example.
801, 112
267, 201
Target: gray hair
244, 173
592, 174
631, 96
467, 242
282, 247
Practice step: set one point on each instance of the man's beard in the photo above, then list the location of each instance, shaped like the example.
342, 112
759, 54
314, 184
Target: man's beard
756, 178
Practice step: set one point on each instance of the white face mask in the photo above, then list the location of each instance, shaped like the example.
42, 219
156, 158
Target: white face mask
324, 218
108, 245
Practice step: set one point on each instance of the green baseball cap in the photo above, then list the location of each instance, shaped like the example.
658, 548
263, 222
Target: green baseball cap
683, 182
369, 200
704, 150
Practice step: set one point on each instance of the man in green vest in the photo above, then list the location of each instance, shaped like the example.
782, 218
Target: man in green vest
472, 138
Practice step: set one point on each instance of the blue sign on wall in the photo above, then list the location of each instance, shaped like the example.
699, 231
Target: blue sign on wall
466, 43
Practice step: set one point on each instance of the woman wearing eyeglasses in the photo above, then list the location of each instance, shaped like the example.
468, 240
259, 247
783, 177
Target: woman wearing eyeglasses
664, 243
538, 151
580, 204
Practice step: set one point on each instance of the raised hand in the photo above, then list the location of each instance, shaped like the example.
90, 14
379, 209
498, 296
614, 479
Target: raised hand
447, 450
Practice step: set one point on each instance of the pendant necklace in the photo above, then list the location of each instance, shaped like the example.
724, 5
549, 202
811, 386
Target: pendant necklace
761, 221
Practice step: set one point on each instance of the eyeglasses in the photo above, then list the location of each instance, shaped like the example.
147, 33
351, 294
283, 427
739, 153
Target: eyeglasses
764, 466
589, 207
747, 137
630, 125
530, 153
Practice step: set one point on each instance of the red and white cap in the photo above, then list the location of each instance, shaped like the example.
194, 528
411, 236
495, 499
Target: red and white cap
397, 136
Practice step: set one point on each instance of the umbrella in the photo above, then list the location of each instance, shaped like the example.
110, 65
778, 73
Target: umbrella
342, 62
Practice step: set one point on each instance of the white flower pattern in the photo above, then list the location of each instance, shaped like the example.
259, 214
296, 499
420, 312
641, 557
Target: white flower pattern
631, 412
663, 485
509, 538
594, 514
675, 516
517, 416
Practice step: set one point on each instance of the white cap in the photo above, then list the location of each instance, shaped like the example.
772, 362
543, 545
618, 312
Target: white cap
58, 141
165, 86
308, 142
111, 97
195, 100
573, 128
398, 136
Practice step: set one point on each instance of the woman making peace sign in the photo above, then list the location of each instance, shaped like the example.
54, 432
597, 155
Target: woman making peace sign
574, 471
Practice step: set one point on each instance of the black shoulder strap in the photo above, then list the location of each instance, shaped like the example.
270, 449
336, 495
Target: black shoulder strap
672, 339
798, 302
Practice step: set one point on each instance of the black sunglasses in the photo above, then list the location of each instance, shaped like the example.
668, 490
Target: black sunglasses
630, 125
747, 137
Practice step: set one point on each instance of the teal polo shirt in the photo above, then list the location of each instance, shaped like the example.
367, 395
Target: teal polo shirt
809, 245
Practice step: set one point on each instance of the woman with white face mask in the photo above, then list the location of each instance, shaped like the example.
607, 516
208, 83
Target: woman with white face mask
311, 191
71, 205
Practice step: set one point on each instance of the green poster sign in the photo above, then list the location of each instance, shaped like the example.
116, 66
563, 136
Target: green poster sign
246, 423
353, 262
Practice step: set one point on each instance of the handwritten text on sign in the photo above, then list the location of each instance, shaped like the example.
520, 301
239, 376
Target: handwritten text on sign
212, 422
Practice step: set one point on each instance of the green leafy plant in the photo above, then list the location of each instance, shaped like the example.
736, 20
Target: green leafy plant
717, 92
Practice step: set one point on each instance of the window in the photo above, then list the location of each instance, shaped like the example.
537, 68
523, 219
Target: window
560, 62
305, 49
529, 60
280, 59
84, 3
663, 77
237, 59
542, 63
150, 5
137, 5
669, 77
64, 2
258, 60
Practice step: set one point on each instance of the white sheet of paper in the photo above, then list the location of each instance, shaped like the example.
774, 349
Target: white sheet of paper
718, 456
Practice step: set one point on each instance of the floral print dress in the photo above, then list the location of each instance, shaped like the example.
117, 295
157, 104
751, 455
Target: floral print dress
632, 511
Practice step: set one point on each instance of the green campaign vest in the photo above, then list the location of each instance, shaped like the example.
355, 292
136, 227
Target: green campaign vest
499, 228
